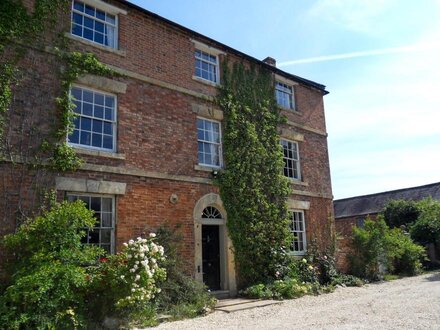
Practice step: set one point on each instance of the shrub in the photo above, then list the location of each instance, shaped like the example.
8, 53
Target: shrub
347, 280
279, 289
426, 229
181, 296
125, 284
399, 213
303, 271
378, 250
49, 280
59, 283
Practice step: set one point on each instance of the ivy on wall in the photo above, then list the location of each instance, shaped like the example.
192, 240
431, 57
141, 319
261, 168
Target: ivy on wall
252, 186
22, 29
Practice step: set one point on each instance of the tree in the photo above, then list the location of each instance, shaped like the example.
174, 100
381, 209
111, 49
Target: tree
400, 212
426, 229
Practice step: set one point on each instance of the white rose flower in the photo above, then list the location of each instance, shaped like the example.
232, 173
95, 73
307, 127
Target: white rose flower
155, 249
137, 278
130, 242
122, 277
152, 235
125, 244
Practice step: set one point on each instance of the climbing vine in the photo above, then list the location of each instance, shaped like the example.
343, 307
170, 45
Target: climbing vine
30, 150
252, 186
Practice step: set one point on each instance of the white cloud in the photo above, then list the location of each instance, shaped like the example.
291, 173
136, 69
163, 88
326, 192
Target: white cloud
384, 51
355, 15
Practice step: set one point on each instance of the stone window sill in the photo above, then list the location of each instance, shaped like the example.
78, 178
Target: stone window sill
204, 81
98, 153
296, 112
206, 168
299, 183
119, 52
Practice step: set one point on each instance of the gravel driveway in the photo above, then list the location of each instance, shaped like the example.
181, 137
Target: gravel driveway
409, 303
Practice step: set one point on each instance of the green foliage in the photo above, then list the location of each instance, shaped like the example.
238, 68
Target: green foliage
252, 186
401, 212
49, 279
20, 28
125, 285
303, 270
64, 158
378, 249
426, 229
346, 280
279, 289
182, 296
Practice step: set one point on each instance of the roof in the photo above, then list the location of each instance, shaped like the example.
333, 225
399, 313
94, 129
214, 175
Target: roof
218, 44
374, 203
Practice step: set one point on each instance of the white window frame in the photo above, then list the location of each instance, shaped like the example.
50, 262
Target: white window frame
219, 144
216, 66
114, 122
297, 161
290, 95
211, 51
113, 227
303, 234
108, 9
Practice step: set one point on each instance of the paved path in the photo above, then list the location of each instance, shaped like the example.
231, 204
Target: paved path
409, 303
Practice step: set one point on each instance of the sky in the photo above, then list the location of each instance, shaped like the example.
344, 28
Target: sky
380, 61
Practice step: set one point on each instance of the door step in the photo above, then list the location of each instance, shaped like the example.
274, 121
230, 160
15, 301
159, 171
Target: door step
221, 294
239, 304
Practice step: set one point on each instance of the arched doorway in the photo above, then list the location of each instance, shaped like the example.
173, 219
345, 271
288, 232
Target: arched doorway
214, 264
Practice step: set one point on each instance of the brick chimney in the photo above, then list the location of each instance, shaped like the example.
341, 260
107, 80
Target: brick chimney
270, 60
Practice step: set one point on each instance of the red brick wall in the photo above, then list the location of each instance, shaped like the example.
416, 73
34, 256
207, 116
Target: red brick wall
344, 230
156, 129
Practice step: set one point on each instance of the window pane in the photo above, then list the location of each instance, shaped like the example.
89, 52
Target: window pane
109, 101
85, 138
77, 108
90, 10
107, 128
88, 34
100, 14
99, 112
106, 205
78, 6
76, 30
106, 236
111, 19
97, 126
95, 204
86, 124
74, 137
77, 18
99, 38
97, 140
107, 142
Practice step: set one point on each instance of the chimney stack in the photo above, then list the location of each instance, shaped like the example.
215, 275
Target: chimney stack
270, 60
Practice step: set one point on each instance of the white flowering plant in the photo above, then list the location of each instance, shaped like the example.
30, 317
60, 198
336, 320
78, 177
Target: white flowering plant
130, 279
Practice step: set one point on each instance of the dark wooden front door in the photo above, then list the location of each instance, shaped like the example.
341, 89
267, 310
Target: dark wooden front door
211, 256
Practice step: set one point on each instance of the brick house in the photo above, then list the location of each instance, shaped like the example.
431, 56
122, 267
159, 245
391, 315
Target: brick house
353, 211
151, 139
